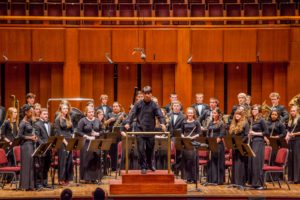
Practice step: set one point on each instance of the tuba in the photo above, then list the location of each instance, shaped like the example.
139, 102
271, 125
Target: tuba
295, 101
265, 110
14, 102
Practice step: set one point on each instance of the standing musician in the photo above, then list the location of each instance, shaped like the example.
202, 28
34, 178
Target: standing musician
258, 130
276, 129
9, 132
293, 138
284, 115
190, 129
145, 111
64, 127
36, 112
168, 107
216, 164
89, 127
239, 127
175, 124
103, 106
115, 119
206, 118
30, 100
242, 99
2, 114
28, 137
43, 132
199, 106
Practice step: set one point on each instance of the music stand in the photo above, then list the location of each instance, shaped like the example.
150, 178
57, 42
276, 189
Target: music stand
75, 144
177, 133
115, 137
186, 144
56, 143
102, 145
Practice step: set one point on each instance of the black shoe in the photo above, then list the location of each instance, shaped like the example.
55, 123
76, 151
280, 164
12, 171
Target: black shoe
143, 171
260, 188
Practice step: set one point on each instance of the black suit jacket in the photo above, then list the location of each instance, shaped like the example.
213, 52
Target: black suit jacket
177, 126
205, 107
2, 115
41, 132
108, 110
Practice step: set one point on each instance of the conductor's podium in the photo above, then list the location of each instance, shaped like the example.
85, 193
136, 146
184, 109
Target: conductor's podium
158, 182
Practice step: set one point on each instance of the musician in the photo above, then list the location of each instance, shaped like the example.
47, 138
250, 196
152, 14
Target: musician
293, 138
100, 116
2, 114
258, 130
28, 137
115, 119
145, 111
9, 132
239, 127
206, 118
190, 129
173, 97
248, 100
43, 131
30, 100
64, 127
284, 115
103, 106
175, 124
242, 99
36, 112
216, 164
89, 127
199, 106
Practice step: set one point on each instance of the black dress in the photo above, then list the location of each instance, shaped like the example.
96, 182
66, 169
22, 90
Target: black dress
11, 133
90, 167
239, 162
190, 161
258, 146
65, 160
216, 164
276, 128
294, 154
27, 149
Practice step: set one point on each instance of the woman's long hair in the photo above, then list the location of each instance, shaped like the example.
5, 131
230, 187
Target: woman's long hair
68, 117
293, 121
9, 117
237, 126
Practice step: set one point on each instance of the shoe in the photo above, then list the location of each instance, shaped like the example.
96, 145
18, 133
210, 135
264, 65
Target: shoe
152, 168
143, 171
260, 188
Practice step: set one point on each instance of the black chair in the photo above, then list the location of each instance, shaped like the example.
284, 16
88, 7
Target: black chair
90, 10
287, 9
144, 10
251, 10
108, 10
180, 10
18, 9
162, 10
197, 10
233, 10
54, 9
216, 10
126, 10
269, 9
36, 9
73, 10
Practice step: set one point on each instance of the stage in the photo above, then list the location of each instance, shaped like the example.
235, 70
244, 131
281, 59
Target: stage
84, 192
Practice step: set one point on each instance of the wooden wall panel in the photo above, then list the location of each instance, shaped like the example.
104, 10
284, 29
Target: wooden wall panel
157, 83
94, 44
98, 82
168, 86
48, 45
123, 44
127, 74
15, 44
237, 82
209, 80
256, 87
15, 83
267, 83
240, 45
280, 82
146, 75
109, 82
56, 87
207, 45
273, 45
34, 80
161, 46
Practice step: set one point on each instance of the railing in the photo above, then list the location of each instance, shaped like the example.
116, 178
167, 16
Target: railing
148, 133
46, 19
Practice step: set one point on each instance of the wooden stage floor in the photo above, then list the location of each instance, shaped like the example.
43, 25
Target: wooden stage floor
84, 192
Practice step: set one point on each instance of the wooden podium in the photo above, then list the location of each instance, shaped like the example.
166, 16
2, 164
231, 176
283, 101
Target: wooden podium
158, 182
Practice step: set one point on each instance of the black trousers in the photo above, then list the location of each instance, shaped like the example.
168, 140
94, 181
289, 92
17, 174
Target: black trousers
145, 151
42, 168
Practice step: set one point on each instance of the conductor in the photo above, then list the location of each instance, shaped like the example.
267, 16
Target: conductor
145, 112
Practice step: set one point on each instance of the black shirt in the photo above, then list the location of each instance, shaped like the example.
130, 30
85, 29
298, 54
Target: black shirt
145, 113
276, 128
9, 132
